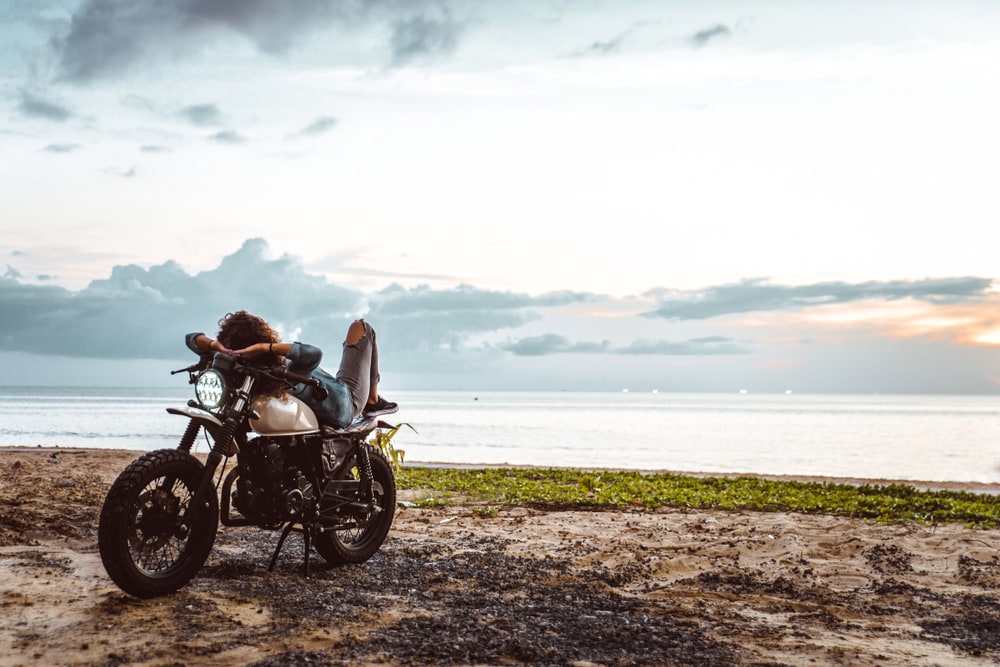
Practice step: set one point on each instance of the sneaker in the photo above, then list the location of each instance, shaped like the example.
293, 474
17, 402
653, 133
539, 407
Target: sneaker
380, 407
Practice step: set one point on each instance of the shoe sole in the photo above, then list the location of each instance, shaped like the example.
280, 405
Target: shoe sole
383, 411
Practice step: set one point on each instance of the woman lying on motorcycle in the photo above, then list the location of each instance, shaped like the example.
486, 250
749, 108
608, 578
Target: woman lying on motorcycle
300, 465
353, 391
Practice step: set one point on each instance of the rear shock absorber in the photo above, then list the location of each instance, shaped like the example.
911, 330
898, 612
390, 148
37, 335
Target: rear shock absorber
365, 471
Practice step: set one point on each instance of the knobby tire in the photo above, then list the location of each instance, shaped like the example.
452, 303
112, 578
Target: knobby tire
356, 545
142, 551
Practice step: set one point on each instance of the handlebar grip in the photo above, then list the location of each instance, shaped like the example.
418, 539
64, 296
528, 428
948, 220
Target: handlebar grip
295, 377
321, 391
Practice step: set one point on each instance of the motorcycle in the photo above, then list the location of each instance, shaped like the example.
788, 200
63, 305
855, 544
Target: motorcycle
159, 519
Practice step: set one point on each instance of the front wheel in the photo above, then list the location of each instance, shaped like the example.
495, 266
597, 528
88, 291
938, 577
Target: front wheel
359, 542
147, 547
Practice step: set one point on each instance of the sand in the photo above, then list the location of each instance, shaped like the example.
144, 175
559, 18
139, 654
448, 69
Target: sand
474, 585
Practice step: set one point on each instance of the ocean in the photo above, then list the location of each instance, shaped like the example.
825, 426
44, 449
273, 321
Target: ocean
933, 438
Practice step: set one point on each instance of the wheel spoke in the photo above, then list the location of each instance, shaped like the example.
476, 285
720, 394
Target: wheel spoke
153, 543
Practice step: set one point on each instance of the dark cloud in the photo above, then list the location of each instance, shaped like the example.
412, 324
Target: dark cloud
758, 295
146, 312
202, 114
61, 148
38, 107
419, 36
106, 38
231, 137
703, 37
319, 126
275, 27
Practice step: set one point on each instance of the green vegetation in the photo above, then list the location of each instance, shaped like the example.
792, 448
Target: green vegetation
382, 439
894, 503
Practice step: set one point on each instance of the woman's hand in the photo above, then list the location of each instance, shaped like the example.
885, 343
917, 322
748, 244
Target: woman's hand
205, 343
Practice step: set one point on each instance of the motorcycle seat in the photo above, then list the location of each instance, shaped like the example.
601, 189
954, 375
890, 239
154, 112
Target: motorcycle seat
362, 425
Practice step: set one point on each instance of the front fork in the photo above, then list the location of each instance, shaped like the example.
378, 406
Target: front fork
220, 450
190, 434
207, 485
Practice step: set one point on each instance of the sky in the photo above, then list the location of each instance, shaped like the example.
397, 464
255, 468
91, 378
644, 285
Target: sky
540, 195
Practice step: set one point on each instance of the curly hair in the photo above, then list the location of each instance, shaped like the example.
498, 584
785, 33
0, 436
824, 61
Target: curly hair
242, 329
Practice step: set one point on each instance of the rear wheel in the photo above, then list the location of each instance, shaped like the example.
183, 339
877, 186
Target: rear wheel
146, 546
358, 543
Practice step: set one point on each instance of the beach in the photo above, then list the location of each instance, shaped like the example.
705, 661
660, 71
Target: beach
463, 584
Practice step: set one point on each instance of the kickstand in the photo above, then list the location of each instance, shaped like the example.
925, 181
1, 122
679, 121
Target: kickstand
307, 535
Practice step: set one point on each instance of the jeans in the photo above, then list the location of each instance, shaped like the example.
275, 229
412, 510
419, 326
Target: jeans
359, 368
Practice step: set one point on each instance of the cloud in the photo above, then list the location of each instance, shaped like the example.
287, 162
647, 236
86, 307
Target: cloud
614, 45
131, 172
419, 36
319, 126
703, 37
707, 345
534, 346
37, 107
443, 338
202, 114
61, 148
758, 295
466, 297
439, 322
151, 148
146, 311
109, 37
106, 38
610, 46
231, 137
550, 343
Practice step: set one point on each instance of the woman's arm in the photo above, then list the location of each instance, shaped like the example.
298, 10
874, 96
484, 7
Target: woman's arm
199, 342
281, 349
303, 357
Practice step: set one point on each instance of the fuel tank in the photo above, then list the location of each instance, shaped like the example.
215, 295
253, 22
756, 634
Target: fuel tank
283, 416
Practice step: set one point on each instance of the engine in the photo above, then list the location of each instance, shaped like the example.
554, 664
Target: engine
272, 487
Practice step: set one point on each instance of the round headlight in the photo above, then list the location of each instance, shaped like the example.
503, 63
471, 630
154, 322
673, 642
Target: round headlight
210, 389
